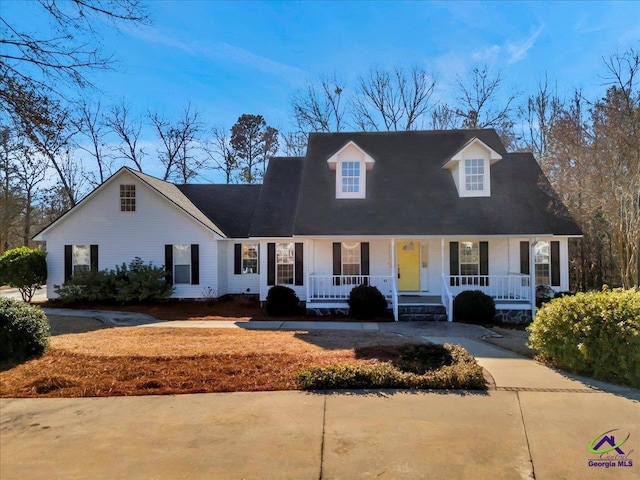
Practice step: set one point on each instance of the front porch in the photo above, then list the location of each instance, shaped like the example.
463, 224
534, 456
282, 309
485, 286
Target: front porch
419, 277
510, 292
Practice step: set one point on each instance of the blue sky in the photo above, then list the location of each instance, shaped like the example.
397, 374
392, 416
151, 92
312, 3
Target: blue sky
229, 58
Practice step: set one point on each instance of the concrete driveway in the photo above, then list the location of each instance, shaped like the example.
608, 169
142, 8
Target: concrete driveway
534, 423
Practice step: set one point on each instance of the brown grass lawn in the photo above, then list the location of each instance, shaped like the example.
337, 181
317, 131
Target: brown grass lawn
147, 361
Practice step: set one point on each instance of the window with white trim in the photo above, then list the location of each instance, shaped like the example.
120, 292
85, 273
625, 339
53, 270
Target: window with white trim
249, 258
350, 177
474, 174
285, 263
181, 264
351, 259
542, 260
469, 258
127, 198
80, 259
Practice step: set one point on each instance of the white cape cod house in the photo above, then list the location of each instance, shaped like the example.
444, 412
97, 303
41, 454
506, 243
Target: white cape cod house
421, 215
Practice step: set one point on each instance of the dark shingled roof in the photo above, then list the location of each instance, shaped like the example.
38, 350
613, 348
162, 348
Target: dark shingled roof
409, 193
276, 210
230, 207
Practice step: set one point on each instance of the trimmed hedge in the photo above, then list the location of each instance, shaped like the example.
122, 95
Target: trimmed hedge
366, 302
460, 371
595, 334
473, 306
282, 301
24, 330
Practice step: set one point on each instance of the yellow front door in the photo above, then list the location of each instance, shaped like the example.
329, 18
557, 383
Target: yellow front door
408, 254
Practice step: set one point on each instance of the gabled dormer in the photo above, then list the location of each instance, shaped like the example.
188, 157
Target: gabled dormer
471, 168
351, 164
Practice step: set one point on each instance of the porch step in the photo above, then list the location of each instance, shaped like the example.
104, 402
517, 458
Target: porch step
419, 313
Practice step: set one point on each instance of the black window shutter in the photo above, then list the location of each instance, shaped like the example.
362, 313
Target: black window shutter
364, 258
484, 262
524, 258
195, 264
271, 263
454, 264
299, 264
94, 257
237, 258
68, 262
337, 261
555, 264
168, 262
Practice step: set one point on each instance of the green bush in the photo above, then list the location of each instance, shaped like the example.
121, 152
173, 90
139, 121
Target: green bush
24, 330
460, 371
366, 302
24, 268
473, 306
136, 283
594, 333
282, 301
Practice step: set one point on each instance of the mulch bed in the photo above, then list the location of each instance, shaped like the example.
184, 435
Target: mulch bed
236, 308
145, 361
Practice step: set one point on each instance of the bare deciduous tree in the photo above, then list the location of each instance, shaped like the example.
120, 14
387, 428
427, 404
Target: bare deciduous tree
179, 142
39, 60
128, 131
481, 104
320, 108
92, 127
393, 99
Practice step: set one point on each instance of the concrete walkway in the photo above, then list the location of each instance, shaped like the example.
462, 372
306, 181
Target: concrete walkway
536, 423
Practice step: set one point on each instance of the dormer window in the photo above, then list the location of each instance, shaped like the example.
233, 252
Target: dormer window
474, 174
471, 168
350, 177
351, 164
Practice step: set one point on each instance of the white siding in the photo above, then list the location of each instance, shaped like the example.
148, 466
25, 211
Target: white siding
122, 236
223, 252
248, 283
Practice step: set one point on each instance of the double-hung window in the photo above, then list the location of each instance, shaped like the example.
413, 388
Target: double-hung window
249, 258
469, 258
81, 259
285, 263
351, 261
474, 174
350, 177
181, 264
542, 255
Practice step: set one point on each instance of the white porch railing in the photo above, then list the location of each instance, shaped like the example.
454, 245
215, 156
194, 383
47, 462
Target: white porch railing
338, 287
513, 287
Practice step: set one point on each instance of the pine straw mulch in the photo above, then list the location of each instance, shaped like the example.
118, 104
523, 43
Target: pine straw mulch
160, 361
236, 308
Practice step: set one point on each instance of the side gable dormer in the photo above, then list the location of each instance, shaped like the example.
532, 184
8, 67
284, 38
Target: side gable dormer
351, 164
471, 168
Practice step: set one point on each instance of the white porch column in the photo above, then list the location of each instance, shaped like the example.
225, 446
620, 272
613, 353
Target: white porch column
532, 275
394, 279
442, 256
307, 255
